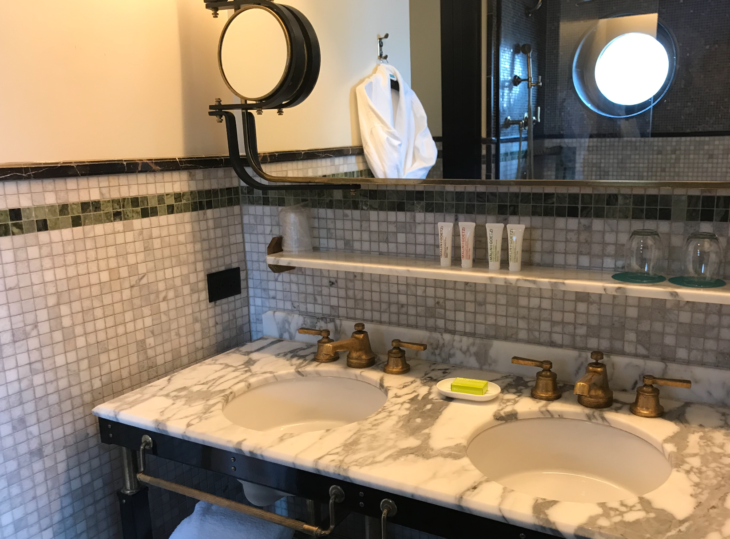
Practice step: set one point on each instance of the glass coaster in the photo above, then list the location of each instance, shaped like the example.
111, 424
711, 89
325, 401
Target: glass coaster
639, 278
690, 282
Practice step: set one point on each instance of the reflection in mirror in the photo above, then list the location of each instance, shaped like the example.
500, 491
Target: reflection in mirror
628, 92
254, 53
618, 90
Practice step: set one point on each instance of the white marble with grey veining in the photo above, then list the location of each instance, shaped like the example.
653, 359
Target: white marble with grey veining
570, 280
416, 444
709, 386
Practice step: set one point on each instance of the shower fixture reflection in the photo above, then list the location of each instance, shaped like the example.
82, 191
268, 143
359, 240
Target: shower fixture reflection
530, 120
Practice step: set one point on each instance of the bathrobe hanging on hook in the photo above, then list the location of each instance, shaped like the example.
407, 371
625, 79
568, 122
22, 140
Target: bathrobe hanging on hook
394, 127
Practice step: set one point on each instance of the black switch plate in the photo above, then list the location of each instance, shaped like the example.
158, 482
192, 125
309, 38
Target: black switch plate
224, 284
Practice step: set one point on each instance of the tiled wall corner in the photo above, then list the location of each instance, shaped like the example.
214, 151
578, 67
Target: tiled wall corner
92, 311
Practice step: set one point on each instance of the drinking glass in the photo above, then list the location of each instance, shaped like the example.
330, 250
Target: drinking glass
704, 261
645, 256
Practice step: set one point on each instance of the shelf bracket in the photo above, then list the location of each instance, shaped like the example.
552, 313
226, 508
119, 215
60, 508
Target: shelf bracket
275, 246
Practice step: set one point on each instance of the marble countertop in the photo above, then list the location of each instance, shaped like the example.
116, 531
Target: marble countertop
416, 444
571, 280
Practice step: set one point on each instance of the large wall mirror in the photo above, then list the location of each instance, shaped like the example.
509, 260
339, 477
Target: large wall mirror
573, 90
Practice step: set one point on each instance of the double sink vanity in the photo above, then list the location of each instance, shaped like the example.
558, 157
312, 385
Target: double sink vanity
374, 436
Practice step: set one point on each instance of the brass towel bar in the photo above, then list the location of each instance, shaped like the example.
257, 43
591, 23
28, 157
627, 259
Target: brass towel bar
337, 495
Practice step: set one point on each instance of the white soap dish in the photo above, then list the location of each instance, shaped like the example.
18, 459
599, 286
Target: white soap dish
444, 387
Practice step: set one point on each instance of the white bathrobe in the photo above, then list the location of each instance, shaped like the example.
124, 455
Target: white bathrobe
394, 128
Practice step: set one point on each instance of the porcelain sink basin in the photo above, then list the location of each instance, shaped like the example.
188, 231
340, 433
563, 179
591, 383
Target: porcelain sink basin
569, 460
305, 404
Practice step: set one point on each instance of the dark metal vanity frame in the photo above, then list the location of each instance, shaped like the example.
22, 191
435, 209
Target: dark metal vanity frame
414, 514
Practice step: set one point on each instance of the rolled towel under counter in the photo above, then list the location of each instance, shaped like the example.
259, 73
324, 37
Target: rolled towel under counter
217, 522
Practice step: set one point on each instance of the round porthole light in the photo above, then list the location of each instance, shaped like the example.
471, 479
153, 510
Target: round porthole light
632, 69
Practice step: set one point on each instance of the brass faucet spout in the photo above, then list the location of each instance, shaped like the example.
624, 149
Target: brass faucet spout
340, 346
360, 355
583, 387
592, 389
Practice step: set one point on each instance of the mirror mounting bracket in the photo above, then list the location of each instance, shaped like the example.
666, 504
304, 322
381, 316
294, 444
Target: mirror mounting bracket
250, 145
227, 4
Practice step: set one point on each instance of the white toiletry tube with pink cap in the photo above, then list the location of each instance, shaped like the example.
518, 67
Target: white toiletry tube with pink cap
515, 235
466, 231
446, 242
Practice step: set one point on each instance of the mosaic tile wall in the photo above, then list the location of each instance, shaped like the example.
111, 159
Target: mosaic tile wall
93, 307
590, 232
625, 159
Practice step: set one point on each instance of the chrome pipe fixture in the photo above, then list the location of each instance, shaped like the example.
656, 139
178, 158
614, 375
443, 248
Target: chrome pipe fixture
526, 49
389, 509
129, 471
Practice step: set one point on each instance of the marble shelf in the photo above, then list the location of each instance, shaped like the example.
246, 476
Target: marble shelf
569, 280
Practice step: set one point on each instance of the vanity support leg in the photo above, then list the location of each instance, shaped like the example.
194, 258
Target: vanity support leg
133, 501
314, 513
372, 528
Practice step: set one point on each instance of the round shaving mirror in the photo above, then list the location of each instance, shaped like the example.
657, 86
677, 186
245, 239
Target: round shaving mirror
269, 55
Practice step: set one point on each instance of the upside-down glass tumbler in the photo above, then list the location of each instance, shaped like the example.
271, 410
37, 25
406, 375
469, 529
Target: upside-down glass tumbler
704, 262
645, 256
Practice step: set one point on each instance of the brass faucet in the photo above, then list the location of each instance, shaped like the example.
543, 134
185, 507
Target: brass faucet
593, 388
397, 363
321, 357
647, 396
546, 385
360, 354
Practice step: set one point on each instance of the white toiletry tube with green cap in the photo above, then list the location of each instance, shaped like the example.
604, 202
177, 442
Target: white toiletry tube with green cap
494, 245
446, 242
466, 231
515, 235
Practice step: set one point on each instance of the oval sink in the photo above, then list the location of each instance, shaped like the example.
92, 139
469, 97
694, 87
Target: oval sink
305, 404
569, 460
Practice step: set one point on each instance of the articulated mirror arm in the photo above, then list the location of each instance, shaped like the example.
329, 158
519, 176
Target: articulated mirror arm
252, 155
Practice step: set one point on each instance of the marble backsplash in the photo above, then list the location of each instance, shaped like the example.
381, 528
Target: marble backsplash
710, 386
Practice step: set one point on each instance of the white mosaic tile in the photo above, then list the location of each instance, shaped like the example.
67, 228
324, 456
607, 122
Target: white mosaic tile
87, 314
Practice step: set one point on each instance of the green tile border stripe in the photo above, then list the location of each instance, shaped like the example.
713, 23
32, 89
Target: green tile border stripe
613, 205
19, 221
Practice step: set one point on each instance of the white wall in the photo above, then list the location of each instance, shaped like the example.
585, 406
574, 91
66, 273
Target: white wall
426, 59
347, 31
108, 79
128, 79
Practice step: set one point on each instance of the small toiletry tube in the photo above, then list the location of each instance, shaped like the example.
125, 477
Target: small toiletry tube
446, 242
466, 231
515, 235
494, 245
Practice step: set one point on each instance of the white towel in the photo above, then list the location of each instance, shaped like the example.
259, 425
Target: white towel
394, 127
210, 521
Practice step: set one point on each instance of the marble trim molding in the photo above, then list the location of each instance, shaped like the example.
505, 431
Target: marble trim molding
80, 169
310, 155
710, 386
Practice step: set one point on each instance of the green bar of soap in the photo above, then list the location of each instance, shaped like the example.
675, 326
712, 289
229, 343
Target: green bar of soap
471, 387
